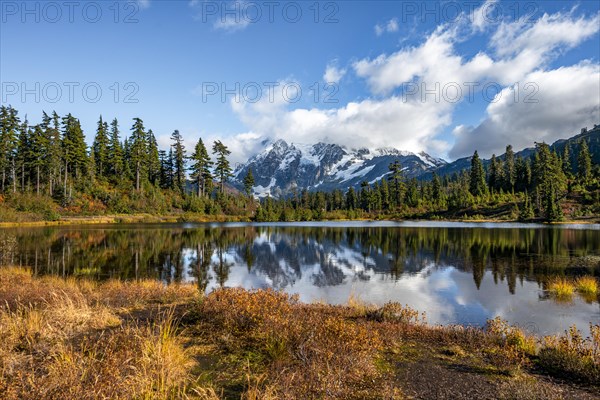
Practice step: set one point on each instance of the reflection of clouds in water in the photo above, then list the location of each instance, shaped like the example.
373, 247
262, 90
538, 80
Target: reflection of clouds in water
525, 308
441, 281
446, 294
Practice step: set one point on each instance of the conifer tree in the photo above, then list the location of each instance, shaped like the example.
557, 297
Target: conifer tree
549, 181
201, 168
495, 178
584, 163
138, 151
24, 152
179, 160
510, 171
100, 149
55, 155
9, 123
397, 182
115, 152
566, 161
477, 185
74, 150
222, 167
249, 182
351, 200
154, 167
38, 149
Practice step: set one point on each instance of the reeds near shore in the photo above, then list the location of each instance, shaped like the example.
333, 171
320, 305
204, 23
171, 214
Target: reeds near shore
78, 339
563, 288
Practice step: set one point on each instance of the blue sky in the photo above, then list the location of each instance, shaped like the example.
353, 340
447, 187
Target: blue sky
369, 60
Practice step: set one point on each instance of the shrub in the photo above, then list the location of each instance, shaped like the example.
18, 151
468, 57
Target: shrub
571, 356
319, 352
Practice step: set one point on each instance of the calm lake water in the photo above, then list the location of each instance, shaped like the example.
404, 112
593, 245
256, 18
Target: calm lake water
456, 272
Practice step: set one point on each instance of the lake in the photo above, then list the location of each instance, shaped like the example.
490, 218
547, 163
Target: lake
461, 273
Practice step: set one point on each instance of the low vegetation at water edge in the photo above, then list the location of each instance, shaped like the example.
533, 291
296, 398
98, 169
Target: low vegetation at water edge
78, 339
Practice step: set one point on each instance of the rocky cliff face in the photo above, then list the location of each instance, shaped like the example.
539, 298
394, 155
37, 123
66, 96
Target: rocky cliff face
284, 167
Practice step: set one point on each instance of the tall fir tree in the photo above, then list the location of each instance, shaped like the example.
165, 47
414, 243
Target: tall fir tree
9, 125
24, 153
138, 152
74, 151
55, 153
477, 185
249, 182
510, 173
100, 149
38, 151
351, 199
495, 176
201, 165
116, 152
397, 179
222, 167
584, 163
154, 166
549, 181
179, 160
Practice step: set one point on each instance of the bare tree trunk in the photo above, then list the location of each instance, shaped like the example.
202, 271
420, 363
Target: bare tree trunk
137, 176
38, 181
14, 176
65, 181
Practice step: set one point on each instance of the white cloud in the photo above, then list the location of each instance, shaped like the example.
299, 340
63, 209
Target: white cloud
143, 4
519, 52
567, 100
242, 145
545, 35
389, 27
333, 74
408, 125
484, 16
231, 23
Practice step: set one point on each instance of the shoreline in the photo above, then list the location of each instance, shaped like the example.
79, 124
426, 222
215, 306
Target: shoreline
128, 219
235, 343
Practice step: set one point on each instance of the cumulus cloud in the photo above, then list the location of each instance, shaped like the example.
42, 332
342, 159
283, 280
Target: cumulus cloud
483, 17
520, 48
518, 51
333, 74
556, 105
393, 121
389, 27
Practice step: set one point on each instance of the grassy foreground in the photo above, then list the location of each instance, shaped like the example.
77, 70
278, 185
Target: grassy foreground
76, 339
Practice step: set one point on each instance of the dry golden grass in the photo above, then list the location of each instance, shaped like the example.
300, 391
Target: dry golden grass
76, 339
303, 350
65, 339
562, 288
587, 285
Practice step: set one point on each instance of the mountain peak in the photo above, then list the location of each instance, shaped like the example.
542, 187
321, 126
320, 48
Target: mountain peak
283, 167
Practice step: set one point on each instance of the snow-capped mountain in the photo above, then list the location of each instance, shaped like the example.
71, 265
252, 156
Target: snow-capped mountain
283, 167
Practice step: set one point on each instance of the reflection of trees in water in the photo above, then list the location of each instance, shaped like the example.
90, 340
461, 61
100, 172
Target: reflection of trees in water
200, 264
328, 254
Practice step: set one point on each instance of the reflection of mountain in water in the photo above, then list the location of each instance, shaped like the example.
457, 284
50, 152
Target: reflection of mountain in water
285, 259
283, 256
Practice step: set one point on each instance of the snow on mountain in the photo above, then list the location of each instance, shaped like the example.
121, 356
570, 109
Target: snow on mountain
284, 167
